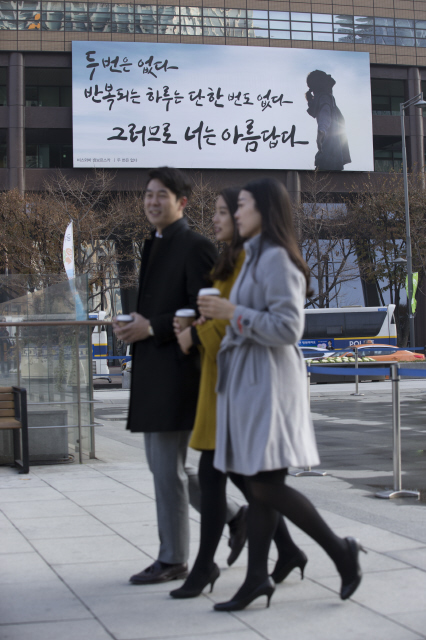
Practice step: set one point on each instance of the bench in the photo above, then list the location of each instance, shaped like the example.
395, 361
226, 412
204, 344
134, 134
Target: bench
13, 415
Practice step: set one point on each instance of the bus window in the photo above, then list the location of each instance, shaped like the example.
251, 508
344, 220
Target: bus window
364, 324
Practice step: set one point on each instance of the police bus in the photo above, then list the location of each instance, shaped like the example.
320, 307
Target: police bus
344, 327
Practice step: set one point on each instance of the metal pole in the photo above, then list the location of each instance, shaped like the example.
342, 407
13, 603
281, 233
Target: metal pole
77, 370
356, 376
407, 230
397, 491
18, 348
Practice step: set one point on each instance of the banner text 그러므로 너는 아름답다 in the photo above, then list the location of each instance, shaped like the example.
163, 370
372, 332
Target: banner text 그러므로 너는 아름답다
209, 106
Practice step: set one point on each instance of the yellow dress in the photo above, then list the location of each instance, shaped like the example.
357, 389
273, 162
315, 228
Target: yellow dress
210, 335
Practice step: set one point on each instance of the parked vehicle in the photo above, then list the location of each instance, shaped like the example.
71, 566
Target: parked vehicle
383, 353
311, 353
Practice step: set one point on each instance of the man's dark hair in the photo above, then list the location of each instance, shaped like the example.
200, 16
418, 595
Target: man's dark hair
173, 179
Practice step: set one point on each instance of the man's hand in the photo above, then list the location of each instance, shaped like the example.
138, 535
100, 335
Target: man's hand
214, 307
185, 340
132, 331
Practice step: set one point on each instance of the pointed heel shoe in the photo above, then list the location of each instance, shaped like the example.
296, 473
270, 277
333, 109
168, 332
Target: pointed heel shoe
351, 582
281, 572
267, 589
188, 592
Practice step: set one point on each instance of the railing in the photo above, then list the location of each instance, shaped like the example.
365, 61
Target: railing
76, 324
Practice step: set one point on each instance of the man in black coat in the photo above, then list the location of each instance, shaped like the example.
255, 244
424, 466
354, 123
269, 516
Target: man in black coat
176, 263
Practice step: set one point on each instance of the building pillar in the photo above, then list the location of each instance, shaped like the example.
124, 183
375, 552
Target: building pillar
293, 187
416, 147
16, 139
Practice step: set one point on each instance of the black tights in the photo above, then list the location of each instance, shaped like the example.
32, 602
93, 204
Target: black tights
213, 518
268, 494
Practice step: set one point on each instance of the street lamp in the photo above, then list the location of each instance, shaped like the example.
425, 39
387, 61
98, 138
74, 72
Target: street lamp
417, 101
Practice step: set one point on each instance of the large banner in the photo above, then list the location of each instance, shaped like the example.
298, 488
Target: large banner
214, 106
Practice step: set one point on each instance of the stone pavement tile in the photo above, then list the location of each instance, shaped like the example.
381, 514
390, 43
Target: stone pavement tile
141, 534
242, 634
115, 496
388, 592
108, 578
13, 542
69, 630
10, 479
381, 540
98, 483
120, 473
157, 615
61, 527
413, 557
86, 549
324, 619
41, 509
144, 486
64, 471
25, 568
28, 602
414, 620
123, 513
20, 495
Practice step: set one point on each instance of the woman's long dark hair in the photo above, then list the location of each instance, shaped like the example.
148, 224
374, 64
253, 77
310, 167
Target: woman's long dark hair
225, 264
274, 205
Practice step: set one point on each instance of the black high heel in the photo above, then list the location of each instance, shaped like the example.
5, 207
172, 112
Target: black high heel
280, 573
185, 592
267, 589
350, 583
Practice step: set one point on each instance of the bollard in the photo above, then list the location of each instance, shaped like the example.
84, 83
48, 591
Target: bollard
307, 471
356, 377
397, 491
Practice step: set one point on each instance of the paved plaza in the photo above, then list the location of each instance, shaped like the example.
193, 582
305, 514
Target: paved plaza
72, 535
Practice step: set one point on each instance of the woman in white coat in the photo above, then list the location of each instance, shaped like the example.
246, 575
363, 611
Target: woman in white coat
263, 419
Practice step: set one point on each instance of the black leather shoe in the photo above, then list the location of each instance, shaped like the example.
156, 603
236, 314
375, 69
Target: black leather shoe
238, 603
160, 572
282, 570
188, 591
351, 581
238, 535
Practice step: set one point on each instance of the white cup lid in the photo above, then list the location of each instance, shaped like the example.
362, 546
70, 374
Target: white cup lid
185, 313
212, 291
124, 318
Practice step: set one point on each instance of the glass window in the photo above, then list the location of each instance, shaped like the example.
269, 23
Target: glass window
302, 17
146, 19
146, 28
321, 17
211, 31
190, 11
195, 21
47, 87
168, 30
384, 22
278, 24
302, 35
345, 29
168, 19
300, 26
3, 86
76, 26
48, 148
99, 7
122, 25
339, 19
27, 5
420, 24
363, 30
359, 20
191, 31
76, 6
342, 37
279, 35
387, 154
420, 42
407, 33
259, 33
3, 148
404, 23
385, 40
259, 15
364, 39
405, 42
385, 31
120, 8
213, 22
236, 33
168, 10
279, 15
236, 22
8, 15
421, 33
56, 25
317, 26
53, 6
8, 4
322, 37
147, 9
236, 13
364, 324
214, 13
258, 24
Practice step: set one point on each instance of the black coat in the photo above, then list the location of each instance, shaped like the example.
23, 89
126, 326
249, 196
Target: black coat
165, 382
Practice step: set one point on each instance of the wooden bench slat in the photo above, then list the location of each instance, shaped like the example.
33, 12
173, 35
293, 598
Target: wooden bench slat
6, 389
6, 396
6, 404
9, 423
9, 413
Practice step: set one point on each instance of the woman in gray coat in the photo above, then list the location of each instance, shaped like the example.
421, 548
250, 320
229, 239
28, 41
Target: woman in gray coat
263, 419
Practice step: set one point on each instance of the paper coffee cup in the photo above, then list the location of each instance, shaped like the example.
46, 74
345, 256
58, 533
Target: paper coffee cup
210, 291
123, 320
185, 317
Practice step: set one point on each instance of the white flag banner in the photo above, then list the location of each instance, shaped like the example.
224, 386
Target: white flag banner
69, 251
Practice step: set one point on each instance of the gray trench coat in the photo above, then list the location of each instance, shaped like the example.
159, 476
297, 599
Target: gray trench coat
263, 417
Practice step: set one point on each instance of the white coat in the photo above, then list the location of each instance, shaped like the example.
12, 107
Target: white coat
263, 417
